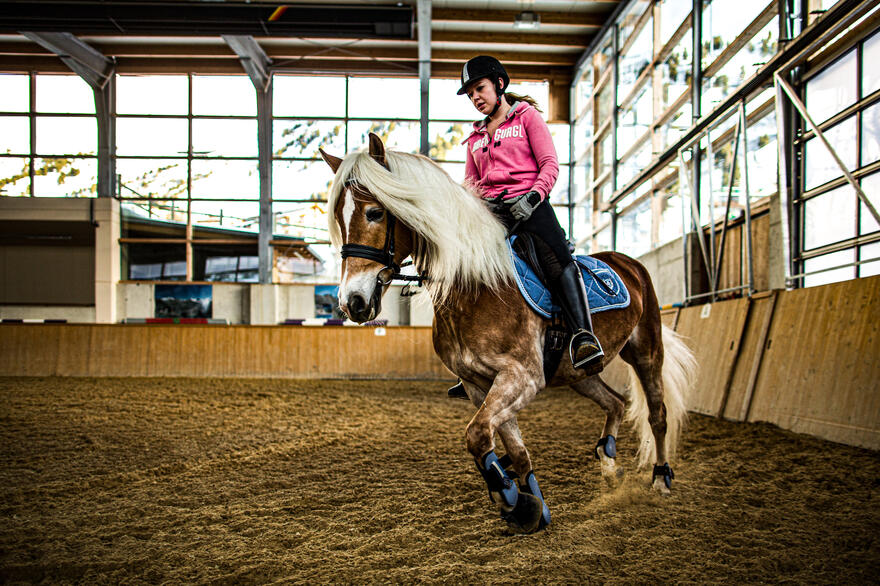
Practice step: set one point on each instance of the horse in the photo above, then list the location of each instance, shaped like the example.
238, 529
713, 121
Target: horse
386, 206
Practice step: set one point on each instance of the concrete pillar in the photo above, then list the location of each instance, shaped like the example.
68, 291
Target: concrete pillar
107, 259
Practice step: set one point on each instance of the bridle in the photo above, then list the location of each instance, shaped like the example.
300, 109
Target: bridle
384, 255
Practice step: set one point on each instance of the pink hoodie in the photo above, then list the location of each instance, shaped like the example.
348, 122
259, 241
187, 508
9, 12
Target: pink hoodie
518, 159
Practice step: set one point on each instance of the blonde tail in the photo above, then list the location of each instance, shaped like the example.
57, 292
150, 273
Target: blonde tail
679, 374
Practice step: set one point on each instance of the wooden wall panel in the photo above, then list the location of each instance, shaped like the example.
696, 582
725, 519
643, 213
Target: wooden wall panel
820, 372
750, 356
221, 351
714, 338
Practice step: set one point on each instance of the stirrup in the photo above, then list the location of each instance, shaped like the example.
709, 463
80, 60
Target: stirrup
457, 391
595, 354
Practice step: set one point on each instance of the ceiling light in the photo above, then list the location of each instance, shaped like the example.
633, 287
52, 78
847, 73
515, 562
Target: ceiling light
527, 20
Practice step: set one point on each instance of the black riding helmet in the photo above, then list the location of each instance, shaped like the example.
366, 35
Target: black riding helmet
481, 67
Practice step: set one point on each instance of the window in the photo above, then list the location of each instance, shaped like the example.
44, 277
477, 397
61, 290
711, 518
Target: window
61, 161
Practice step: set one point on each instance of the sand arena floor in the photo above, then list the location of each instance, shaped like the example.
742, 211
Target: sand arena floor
261, 481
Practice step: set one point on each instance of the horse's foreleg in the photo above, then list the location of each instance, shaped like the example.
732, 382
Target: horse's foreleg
522, 465
613, 405
511, 390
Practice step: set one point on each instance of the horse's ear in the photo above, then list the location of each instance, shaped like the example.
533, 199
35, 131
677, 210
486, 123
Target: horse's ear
334, 162
377, 150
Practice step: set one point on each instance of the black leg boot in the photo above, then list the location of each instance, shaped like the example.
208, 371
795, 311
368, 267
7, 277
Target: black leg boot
457, 391
585, 350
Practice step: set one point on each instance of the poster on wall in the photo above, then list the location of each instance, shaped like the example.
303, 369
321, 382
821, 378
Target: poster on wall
327, 302
184, 301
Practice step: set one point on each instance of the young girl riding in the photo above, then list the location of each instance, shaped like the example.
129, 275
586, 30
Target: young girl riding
512, 165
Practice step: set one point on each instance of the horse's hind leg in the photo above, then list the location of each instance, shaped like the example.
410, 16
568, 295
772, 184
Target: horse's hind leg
645, 355
613, 405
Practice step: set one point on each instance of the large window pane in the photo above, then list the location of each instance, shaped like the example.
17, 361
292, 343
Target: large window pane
676, 70
634, 230
152, 94
633, 165
671, 213
138, 218
834, 89
871, 187
820, 165
224, 138
634, 120
603, 155
400, 136
15, 135
604, 104
445, 140
871, 134
14, 93
672, 131
302, 220
583, 91
225, 215
763, 154
224, 95
444, 104
66, 136
583, 135
64, 94
635, 61
294, 95
559, 193
152, 136
65, 177
560, 135
870, 71
300, 179
226, 263
163, 178
740, 67
303, 138
867, 252
723, 21
384, 97
829, 217
629, 20
155, 262
15, 176
672, 14
225, 179
826, 262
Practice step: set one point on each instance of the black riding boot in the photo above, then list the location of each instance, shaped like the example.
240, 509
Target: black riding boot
457, 391
585, 350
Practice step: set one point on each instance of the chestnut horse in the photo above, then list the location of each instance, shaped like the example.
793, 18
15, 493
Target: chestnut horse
387, 206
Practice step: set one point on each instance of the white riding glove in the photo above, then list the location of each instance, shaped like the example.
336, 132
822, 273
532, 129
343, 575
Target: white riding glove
523, 205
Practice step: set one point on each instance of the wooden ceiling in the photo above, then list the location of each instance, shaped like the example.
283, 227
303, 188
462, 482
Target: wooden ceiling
317, 37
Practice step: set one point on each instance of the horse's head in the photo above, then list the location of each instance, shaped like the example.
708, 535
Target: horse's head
373, 242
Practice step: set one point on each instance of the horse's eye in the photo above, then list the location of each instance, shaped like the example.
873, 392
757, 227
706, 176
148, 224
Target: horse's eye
375, 214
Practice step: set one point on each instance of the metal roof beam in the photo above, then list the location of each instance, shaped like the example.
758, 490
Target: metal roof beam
84, 60
253, 59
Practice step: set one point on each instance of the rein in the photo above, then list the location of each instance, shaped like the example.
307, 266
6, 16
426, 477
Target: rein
384, 255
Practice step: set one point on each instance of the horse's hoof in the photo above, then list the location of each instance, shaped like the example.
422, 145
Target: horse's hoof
527, 516
662, 479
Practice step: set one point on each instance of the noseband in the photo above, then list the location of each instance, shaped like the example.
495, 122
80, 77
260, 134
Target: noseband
384, 255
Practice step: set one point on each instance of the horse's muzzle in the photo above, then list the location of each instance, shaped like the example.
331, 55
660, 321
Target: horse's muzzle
361, 310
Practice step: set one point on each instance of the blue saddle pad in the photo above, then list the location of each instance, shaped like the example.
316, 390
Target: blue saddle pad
610, 293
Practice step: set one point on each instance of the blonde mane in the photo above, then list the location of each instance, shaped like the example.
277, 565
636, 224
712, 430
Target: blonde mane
459, 244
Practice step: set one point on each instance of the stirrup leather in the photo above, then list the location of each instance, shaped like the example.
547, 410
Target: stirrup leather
594, 351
